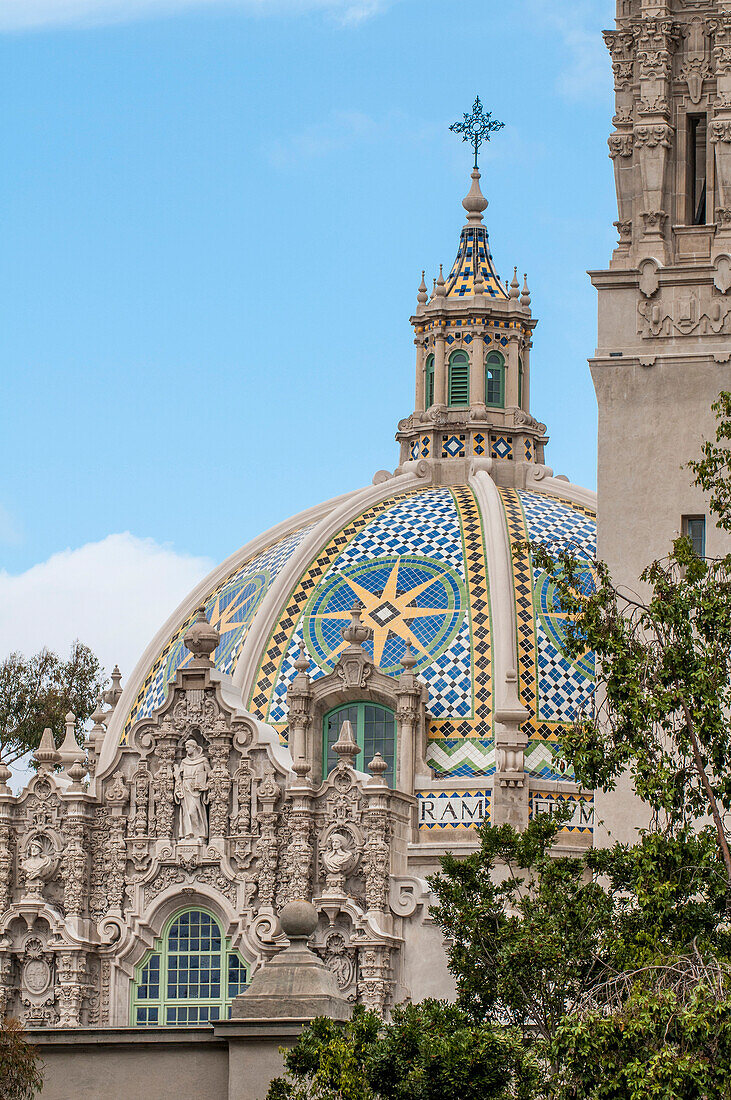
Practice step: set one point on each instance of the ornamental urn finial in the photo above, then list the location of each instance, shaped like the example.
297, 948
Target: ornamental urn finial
525, 293
514, 285
201, 638
422, 297
355, 633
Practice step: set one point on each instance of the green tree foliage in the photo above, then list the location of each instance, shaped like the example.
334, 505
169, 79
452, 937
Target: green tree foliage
713, 470
37, 692
429, 1051
20, 1073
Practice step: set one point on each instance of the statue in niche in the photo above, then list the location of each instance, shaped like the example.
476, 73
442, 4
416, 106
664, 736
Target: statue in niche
338, 859
37, 864
191, 792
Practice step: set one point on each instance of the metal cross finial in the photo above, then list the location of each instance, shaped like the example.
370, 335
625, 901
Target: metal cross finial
477, 127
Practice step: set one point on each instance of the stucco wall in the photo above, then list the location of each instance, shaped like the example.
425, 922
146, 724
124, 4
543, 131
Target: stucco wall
226, 1061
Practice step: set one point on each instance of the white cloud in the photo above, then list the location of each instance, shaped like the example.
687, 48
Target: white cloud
113, 595
18, 15
578, 23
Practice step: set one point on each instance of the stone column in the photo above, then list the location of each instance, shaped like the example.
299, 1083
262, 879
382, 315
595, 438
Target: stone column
511, 372
477, 369
420, 394
408, 695
510, 792
440, 370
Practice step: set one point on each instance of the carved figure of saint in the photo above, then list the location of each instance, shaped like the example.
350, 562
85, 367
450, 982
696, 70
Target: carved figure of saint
37, 862
191, 792
337, 857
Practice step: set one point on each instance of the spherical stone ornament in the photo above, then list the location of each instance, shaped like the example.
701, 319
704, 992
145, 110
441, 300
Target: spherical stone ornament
298, 919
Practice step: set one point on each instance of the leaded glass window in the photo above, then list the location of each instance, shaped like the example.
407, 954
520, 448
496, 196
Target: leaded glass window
495, 380
374, 729
191, 975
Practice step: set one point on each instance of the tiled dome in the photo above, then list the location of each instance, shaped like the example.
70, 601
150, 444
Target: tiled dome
433, 565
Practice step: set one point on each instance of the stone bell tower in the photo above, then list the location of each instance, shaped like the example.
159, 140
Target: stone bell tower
664, 340
473, 340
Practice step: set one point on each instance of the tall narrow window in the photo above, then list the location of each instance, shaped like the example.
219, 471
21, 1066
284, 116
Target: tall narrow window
459, 378
694, 528
191, 975
520, 383
429, 382
495, 380
374, 729
697, 166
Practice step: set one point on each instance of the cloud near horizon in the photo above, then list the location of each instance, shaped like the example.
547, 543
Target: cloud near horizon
29, 15
113, 595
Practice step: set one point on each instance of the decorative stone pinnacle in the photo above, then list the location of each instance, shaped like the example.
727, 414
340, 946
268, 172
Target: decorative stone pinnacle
345, 747
378, 767
515, 285
355, 633
76, 774
409, 659
422, 297
298, 920
201, 638
302, 664
113, 694
5, 774
440, 291
525, 293
46, 756
70, 751
474, 201
476, 127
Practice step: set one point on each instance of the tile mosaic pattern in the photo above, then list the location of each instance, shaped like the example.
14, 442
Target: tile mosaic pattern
473, 252
231, 607
453, 446
551, 687
385, 558
582, 820
450, 809
502, 446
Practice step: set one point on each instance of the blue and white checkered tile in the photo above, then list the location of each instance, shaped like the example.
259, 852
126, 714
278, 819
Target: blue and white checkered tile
449, 679
564, 688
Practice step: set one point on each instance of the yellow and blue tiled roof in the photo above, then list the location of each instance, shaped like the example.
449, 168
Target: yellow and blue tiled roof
474, 254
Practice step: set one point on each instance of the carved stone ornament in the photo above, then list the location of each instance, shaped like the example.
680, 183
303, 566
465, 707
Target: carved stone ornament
39, 862
687, 315
653, 135
339, 856
721, 131
649, 279
620, 145
722, 274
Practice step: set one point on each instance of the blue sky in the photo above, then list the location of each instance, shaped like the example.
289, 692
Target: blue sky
214, 217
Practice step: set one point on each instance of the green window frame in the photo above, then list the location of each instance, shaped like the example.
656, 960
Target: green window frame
459, 378
429, 382
190, 976
374, 728
495, 380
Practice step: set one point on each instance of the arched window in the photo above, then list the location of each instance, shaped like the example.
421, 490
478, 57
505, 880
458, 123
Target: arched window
429, 382
459, 378
374, 728
495, 380
190, 976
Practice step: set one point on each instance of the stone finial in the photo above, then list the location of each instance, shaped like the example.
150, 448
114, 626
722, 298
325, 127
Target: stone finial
440, 291
474, 201
5, 774
345, 747
295, 983
355, 633
201, 638
76, 773
113, 694
514, 285
46, 755
409, 658
302, 664
525, 293
422, 297
70, 751
378, 767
